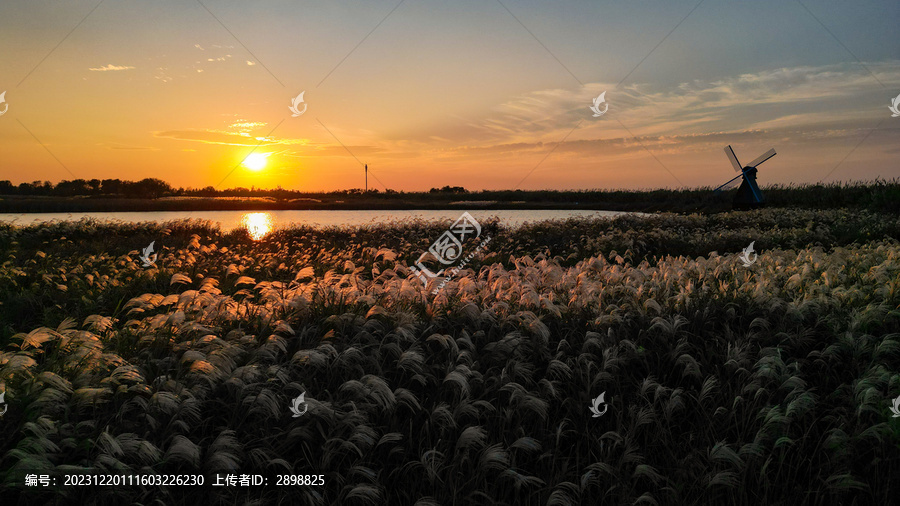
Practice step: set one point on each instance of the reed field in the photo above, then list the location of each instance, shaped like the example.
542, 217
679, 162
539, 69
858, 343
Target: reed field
725, 384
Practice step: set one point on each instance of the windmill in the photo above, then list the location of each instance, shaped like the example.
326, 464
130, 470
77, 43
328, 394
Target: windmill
748, 195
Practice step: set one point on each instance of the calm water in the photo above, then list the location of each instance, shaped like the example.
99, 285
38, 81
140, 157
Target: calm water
259, 222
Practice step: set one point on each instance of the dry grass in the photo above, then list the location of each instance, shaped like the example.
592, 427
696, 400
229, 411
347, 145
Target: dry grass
726, 384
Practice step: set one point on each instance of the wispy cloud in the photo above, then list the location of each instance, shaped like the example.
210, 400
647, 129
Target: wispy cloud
613, 146
246, 126
215, 137
110, 67
800, 104
243, 138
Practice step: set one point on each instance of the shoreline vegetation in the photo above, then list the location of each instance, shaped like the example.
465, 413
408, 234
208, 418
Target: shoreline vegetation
723, 383
883, 196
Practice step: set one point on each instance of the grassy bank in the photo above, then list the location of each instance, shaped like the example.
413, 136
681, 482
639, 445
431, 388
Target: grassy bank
880, 196
725, 383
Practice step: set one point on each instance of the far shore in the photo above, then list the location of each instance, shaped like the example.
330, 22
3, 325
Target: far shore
880, 196
17, 204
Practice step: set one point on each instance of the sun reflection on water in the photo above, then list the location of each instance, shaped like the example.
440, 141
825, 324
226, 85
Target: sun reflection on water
257, 224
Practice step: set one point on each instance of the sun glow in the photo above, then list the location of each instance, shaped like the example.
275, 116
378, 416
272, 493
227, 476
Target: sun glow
256, 161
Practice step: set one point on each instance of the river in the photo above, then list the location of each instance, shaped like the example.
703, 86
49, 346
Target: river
264, 221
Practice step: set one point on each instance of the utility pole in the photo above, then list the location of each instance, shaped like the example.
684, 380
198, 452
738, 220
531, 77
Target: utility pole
367, 178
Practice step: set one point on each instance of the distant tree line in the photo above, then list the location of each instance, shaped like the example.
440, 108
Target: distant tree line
154, 188
880, 194
146, 188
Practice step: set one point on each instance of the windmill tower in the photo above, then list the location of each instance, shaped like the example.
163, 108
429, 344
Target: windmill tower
748, 195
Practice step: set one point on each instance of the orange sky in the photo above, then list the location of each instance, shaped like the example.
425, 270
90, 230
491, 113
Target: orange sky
437, 94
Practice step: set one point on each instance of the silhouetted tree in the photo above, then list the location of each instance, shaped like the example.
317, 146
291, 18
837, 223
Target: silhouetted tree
67, 188
147, 188
449, 189
35, 188
112, 186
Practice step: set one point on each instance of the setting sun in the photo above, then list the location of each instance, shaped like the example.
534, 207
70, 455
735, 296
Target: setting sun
256, 161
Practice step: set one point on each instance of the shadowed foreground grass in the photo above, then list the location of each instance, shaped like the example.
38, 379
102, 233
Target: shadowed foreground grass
725, 384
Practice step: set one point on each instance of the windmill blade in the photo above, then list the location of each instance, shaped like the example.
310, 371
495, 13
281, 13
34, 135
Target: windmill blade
734, 161
765, 156
730, 184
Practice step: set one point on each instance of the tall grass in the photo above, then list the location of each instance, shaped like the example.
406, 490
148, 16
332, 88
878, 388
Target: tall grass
726, 384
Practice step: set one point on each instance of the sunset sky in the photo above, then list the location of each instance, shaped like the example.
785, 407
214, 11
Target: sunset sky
430, 93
